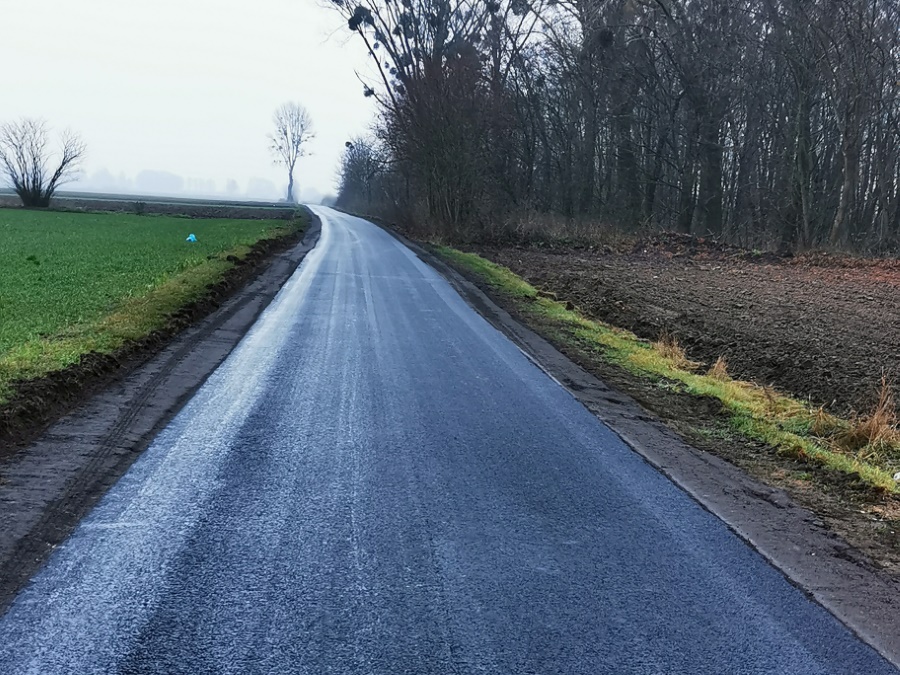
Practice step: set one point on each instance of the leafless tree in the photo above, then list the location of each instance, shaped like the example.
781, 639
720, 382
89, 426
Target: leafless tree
443, 71
362, 172
27, 161
293, 130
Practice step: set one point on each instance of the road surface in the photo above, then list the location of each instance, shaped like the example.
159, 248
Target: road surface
377, 481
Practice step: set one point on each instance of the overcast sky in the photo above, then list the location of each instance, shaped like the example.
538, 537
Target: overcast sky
186, 86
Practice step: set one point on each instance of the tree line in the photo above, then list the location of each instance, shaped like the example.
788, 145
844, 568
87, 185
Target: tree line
769, 123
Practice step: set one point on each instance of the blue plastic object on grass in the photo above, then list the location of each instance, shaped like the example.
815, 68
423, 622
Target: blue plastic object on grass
191, 238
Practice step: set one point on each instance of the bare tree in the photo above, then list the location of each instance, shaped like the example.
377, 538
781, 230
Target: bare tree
362, 169
443, 74
293, 129
768, 123
27, 160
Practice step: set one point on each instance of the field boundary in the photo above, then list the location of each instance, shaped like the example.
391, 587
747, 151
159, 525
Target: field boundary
791, 538
48, 486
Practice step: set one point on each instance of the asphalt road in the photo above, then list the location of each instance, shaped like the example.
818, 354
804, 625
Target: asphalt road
377, 481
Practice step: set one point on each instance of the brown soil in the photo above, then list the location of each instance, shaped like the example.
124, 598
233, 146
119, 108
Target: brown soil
819, 327
37, 403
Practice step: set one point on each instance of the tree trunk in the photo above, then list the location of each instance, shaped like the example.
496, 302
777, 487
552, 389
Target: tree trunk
710, 197
686, 199
850, 153
804, 174
626, 165
589, 148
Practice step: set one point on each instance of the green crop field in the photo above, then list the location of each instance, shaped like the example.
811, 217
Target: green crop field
72, 283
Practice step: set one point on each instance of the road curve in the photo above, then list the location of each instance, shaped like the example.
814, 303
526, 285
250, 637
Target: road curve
377, 481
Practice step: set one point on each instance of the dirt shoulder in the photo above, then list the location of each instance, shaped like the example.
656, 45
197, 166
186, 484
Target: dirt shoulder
116, 408
831, 537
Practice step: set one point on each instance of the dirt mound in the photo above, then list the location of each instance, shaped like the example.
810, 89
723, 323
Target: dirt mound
678, 245
841, 261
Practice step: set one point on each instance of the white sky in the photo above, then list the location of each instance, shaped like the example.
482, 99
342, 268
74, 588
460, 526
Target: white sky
186, 86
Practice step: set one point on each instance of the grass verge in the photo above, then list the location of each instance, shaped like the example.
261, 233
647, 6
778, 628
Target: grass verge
76, 283
862, 448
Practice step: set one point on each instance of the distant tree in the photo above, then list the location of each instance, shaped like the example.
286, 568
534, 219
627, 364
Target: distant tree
154, 182
362, 168
30, 165
293, 130
261, 188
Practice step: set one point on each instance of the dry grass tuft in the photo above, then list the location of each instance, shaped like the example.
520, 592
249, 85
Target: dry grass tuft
719, 371
825, 425
875, 433
771, 397
670, 349
550, 295
537, 228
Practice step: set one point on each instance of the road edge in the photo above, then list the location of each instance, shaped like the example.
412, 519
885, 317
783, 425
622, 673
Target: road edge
47, 487
790, 538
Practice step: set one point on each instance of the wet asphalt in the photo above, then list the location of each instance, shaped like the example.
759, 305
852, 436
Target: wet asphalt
377, 481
